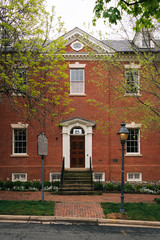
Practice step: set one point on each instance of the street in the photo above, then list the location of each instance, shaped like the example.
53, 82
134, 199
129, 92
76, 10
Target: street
79, 231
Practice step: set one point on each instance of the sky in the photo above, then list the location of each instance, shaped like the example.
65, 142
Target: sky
79, 13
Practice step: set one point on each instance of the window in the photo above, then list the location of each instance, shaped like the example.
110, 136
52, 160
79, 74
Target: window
133, 141
132, 81
19, 177
19, 141
77, 46
134, 176
55, 177
98, 177
77, 81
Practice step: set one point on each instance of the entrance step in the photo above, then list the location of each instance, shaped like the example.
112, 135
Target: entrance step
76, 182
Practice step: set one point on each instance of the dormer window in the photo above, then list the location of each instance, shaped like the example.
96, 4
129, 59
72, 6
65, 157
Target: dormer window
77, 46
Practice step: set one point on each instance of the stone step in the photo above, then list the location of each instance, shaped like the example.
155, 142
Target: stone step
76, 182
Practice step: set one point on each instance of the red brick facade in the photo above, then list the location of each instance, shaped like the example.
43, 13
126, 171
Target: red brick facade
105, 149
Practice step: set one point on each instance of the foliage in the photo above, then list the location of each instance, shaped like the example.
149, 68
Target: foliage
143, 187
36, 208
138, 102
32, 67
98, 186
144, 11
135, 211
157, 200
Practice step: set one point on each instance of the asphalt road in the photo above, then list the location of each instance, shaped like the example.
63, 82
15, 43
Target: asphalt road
81, 231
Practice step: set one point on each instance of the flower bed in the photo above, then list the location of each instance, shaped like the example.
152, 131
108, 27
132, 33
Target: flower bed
28, 186
143, 187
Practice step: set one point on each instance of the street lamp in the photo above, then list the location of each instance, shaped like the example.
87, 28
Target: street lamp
123, 135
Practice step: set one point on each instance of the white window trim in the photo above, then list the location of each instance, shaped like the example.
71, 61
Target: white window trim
21, 180
77, 49
97, 180
54, 173
134, 125
19, 125
78, 65
133, 66
134, 179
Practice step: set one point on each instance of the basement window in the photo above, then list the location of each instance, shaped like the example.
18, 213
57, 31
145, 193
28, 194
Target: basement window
134, 177
19, 177
98, 177
55, 177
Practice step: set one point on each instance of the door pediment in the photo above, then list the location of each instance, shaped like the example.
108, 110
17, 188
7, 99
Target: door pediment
78, 121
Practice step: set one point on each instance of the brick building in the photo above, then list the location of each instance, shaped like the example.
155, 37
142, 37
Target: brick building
78, 137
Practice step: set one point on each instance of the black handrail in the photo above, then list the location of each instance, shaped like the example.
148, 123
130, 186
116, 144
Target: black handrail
91, 169
62, 171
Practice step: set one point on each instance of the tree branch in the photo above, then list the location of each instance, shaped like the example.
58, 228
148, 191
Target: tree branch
133, 3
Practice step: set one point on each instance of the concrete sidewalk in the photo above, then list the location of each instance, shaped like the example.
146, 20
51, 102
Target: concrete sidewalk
78, 208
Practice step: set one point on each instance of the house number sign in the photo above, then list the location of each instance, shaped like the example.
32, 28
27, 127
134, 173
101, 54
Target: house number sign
42, 144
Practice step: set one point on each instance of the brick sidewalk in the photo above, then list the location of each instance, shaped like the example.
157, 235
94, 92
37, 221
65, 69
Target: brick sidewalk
77, 206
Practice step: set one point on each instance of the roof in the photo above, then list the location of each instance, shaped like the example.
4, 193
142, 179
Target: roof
129, 46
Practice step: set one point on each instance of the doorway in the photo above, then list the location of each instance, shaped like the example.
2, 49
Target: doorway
77, 151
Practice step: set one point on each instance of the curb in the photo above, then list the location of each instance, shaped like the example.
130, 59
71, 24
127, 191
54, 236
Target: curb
58, 220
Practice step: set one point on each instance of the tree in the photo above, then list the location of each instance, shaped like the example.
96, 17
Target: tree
32, 67
130, 89
145, 12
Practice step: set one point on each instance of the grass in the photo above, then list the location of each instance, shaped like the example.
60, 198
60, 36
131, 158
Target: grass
36, 208
135, 211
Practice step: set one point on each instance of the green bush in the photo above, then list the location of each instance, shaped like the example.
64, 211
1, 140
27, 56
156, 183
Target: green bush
37, 185
18, 183
109, 186
9, 184
27, 185
138, 188
150, 186
2, 186
47, 184
157, 200
56, 184
117, 187
98, 186
128, 188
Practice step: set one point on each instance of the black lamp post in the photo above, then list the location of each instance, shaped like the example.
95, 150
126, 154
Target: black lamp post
123, 135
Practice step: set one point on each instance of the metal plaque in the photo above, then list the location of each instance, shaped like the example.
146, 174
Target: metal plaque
42, 144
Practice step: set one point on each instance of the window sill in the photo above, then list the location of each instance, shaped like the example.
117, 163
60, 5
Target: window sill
20, 155
133, 155
77, 95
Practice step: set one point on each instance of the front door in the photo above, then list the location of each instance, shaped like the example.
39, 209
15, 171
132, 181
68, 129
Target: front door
77, 151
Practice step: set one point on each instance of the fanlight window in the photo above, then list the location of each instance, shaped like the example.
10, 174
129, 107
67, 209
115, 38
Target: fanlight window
77, 131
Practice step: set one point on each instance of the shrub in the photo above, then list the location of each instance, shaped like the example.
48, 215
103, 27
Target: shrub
117, 187
18, 184
9, 184
98, 186
56, 184
150, 186
157, 200
47, 184
2, 186
128, 188
110, 186
138, 188
27, 185
37, 185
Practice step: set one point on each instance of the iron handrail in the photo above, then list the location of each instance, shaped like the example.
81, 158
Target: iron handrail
91, 170
62, 171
